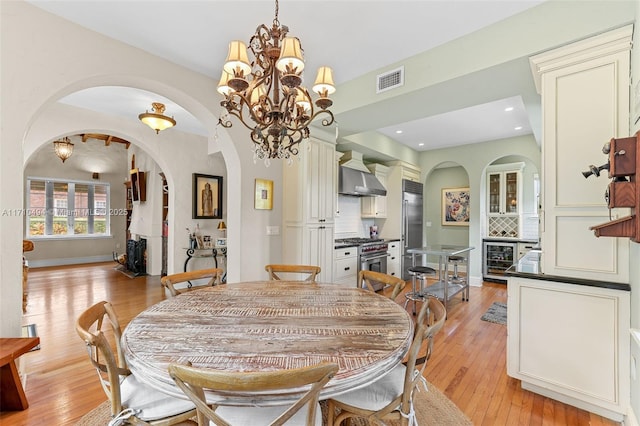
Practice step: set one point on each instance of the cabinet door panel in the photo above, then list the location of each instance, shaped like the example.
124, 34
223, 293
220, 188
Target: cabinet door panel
495, 193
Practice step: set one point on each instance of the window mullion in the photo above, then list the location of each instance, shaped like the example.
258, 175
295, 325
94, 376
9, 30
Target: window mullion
48, 221
71, 208
92, 209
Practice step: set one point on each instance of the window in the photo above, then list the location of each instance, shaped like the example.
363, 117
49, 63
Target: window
67, 208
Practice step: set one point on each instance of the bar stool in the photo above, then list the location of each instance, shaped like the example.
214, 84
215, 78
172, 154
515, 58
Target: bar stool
455, 260
418, 273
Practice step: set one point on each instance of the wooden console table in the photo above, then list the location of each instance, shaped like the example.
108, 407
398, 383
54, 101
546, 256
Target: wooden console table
12, 396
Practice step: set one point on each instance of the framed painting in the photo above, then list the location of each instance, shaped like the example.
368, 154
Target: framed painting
455, 206
263, 195
207, 196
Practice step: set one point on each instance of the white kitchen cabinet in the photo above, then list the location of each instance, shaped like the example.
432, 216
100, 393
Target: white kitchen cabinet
570, 342
504, 200
375, 207
584, 89
309, 205
393, 262
345, 272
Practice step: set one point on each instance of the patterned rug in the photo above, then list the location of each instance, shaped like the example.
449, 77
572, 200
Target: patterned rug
432, 408
497, 313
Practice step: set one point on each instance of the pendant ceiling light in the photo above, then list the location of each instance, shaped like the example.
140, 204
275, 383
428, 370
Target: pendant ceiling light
63, 148
266, 94
156, 119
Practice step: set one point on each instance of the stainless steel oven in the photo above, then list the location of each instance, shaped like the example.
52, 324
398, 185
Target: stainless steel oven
374, 262
372, 254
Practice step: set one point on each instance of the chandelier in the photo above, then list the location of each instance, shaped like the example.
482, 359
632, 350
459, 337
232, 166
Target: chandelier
63, 148
156, 119
268, 91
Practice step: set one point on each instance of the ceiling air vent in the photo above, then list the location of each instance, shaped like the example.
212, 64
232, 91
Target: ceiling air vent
390, 80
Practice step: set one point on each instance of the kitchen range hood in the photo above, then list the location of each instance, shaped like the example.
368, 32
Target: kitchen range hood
355, 179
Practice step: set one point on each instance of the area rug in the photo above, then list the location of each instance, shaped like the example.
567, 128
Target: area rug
432, 407
497, 313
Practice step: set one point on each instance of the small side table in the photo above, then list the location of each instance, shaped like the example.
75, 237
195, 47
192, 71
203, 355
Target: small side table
208, 252
12, 396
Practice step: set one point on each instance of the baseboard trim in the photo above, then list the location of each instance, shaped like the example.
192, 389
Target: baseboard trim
69, 261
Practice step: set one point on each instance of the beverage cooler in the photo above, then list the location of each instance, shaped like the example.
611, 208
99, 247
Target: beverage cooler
498, 257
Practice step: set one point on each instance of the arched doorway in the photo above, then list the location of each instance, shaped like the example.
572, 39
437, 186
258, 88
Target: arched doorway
438, 230
175, 154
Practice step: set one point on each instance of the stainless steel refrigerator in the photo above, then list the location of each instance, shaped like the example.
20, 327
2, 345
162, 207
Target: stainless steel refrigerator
411, 221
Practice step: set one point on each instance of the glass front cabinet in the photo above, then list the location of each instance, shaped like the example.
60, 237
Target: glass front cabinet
504, 194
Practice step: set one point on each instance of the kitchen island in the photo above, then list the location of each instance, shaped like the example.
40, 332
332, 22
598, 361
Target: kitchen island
568, 338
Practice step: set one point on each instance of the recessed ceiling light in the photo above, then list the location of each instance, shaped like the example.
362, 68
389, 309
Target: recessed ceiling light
507, 109
421, 144
518, 128
398, 131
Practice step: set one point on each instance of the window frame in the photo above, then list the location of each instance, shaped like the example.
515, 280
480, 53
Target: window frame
50, 209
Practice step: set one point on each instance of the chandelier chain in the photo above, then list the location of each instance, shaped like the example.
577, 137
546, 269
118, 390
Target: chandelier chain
276, 22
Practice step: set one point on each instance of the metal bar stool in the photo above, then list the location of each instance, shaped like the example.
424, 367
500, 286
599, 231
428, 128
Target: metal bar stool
455, 260
418, 273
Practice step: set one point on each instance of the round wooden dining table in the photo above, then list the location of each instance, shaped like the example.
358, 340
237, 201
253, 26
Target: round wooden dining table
270, 325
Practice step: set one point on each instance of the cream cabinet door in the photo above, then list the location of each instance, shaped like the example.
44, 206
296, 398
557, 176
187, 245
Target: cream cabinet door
585, 103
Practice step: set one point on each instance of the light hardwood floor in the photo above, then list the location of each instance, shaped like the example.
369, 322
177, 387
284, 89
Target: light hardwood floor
468, 363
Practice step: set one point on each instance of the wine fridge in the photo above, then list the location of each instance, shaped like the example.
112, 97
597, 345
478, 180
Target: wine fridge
498, 257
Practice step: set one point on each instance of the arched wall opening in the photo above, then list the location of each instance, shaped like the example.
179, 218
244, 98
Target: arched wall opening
176, 154
453, 177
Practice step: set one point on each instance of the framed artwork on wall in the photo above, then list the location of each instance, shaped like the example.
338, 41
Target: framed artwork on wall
263, 194
455, 206
207, 196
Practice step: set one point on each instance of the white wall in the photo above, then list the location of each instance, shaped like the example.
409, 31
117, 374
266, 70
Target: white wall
44, 58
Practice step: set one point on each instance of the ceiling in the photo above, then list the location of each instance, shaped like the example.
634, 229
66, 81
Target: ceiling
379, 33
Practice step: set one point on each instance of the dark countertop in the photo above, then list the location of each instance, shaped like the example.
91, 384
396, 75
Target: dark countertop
529, 267
344, 245
341, 245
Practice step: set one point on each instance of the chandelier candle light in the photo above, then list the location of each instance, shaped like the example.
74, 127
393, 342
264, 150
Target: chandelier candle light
156, 119
63, 148
269, 91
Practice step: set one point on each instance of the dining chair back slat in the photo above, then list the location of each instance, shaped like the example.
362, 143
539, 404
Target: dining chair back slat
276, 271
170, 281
367, 279
193, 380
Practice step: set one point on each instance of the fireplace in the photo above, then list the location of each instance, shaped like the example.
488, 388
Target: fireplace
137, 256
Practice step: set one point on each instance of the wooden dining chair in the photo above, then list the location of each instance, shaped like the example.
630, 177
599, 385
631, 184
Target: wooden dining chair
368, 278
193, 380
391, 397
170, 281
311, 271
130, 399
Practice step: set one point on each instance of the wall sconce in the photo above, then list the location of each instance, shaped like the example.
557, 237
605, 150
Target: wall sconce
95, 175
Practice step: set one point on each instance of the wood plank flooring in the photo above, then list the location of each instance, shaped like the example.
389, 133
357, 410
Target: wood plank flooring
468, 363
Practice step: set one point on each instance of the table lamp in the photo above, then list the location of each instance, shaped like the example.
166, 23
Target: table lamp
222, 227
222, 242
